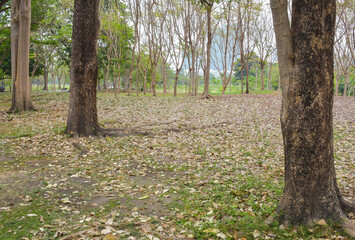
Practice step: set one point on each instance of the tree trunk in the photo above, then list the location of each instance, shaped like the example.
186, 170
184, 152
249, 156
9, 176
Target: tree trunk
137, 78
175, 83
242, 79
45, 76
262, 76
337, 85
306, 70
346, 76
53, 79
247, 78
269, 76
20, 50
82, 118
165, 90
154, 76
59, 79
208, 53
107, 73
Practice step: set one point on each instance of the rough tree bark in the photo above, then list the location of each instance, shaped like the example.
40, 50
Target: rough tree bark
82, 118
305, 55
20, 50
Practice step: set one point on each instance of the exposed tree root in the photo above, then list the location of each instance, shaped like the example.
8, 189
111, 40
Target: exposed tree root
11, 110
346, 206
207, 96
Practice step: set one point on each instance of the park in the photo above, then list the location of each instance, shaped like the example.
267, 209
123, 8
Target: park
177, 119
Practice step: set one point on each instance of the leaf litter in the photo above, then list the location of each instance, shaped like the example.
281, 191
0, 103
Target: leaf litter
166, 168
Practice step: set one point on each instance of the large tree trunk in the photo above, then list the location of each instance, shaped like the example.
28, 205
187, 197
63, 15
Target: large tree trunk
20, 50
306, 68
82, 117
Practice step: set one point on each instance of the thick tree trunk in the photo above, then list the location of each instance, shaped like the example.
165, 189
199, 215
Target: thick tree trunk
20, 50
306, 69
82, 117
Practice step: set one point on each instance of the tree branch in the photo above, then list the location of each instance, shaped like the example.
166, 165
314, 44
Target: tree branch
2, 3
205, 1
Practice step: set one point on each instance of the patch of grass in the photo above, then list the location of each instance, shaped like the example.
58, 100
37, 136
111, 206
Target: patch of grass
26, 221
238, 208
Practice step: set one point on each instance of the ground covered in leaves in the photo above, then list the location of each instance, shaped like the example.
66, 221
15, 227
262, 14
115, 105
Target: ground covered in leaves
170, 168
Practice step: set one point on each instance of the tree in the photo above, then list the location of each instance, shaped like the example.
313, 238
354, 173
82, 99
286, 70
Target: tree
305, 54
208, 5
153, 28
264, 43
135, 11
225, 44
82, 118
20, 50
179, 46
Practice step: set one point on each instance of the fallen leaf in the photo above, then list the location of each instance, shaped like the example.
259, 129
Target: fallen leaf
321, 222
144, 197
110, 237
256, 234
221, 235
211, 230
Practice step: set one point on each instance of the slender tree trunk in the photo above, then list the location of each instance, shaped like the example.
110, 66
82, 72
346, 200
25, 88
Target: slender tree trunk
242, 80
99, 83
208, 53
107, 73
269, 77
145, 85
154, 76
247, 78
346, 76
53, 78
175, 83
262, 76
164, 79
20, 49
337, 85
59, 79
82, 118
306, 69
